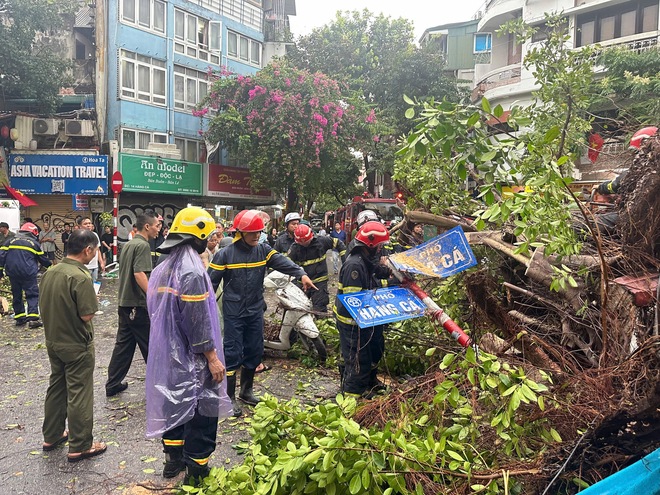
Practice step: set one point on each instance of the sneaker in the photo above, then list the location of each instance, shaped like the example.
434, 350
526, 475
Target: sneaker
35, 324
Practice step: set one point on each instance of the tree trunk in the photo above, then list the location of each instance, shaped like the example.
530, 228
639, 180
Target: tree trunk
292, 199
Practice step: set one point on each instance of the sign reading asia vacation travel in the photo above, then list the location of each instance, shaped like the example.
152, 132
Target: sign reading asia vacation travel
44, 173
153, 174
380, 306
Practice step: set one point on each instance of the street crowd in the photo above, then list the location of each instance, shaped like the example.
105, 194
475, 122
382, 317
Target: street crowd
190, 297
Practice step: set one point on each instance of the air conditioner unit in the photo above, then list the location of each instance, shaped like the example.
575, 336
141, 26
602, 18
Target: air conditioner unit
79, 128
45, 127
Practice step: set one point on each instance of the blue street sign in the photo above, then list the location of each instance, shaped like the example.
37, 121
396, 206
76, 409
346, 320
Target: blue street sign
380, 306
44, 173
442, 256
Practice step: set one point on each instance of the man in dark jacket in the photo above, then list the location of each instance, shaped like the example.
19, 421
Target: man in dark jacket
361, 348
309, 251
241, 267
20, 258
285, 239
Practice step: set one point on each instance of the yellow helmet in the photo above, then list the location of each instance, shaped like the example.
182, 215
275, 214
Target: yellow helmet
194, 221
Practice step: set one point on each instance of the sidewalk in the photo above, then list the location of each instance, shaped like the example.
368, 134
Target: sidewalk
132, 463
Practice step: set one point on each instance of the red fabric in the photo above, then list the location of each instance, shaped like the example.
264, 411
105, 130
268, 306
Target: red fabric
595, 145
20, 197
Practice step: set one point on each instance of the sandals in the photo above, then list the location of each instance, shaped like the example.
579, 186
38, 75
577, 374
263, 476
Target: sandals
97, 449
47, 447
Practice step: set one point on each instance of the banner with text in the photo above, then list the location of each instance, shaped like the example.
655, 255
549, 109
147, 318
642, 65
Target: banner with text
381, 306
153, 174
233, 182
42, 173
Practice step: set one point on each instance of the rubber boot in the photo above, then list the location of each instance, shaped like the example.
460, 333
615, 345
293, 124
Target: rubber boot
247, 382
231, 392
173, 462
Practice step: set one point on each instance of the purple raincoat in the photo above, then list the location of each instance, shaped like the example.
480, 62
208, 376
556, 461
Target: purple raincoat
184, 325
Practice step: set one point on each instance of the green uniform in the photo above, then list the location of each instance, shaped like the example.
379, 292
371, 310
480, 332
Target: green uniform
67, 294
135, 258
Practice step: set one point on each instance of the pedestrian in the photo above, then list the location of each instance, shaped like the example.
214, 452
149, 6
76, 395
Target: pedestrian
272, 237
414, 238
132, 232
220, 229
156, 241
285, 240
107, 240
68, 304
20, 257
337, 233
97, 262
135, 266
210, 249
241, 267
309, 251
47, 241
361, 348
65, 237
185, 386
5, 233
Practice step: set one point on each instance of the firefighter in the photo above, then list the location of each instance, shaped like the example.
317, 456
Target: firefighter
361, 348
241, 267
184, 389
285, 240
309, 251
20, 257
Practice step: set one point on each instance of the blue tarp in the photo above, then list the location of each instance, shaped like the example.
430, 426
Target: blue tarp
641, 478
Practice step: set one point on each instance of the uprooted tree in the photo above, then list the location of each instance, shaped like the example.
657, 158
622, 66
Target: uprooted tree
564, 388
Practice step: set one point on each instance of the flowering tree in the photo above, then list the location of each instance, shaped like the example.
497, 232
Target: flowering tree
296, 130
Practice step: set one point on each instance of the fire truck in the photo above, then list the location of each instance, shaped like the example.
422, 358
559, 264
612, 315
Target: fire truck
386, 209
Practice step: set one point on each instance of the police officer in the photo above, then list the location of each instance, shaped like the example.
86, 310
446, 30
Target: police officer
241, 267
361, 348
285, 240
20, 258
309, 251
185, 369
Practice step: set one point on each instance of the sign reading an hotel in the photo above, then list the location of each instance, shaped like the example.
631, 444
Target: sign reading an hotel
233, 182
42, 173
160, 175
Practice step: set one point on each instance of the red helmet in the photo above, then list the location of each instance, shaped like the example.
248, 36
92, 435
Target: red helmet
303, 234
30, 227
372, 234
249, 221
641, 135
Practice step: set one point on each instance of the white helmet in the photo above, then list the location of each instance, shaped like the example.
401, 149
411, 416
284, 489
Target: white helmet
366, 216
290, 217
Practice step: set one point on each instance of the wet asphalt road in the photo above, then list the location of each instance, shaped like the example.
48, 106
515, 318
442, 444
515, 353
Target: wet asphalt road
132, 464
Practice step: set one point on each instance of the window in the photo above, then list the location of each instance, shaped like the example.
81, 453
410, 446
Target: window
190, 87
197, 37
482, 42
244, 49
139, 140
142, 78
191, 150
144, 14
617, 22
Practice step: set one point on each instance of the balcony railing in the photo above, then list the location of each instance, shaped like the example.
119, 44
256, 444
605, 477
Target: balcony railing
501, 77
639, 43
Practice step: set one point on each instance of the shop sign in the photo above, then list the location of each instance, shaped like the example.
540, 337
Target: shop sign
159, 175
233, 182
60, 174
80, 203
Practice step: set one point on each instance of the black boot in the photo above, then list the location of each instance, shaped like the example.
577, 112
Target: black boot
247, 382
173, 462
196, 473
342, 368
231, 392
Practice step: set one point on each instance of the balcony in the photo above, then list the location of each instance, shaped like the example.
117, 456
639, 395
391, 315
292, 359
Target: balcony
503, 76
499, 12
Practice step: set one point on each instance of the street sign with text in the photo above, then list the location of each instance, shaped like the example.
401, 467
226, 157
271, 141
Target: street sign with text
381, 306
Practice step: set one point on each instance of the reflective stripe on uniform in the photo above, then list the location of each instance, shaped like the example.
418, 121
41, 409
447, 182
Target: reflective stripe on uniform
24, 248
217, 267
311, 262
22, 315
169, 290
350, 289
194, 297
344, 319
238, 266
201, 462
342, 253
320, 279
173, 443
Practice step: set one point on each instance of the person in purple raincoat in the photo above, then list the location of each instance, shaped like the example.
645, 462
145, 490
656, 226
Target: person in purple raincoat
185, 386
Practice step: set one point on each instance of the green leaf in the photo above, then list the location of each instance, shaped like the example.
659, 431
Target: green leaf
555, 435
431, 351
485, 105
455, 455
498, 111
474, 118
355, 485
408, 100
551, 134
410, 113
312, 457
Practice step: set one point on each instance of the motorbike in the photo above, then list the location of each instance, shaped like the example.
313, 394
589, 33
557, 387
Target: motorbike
297, 320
